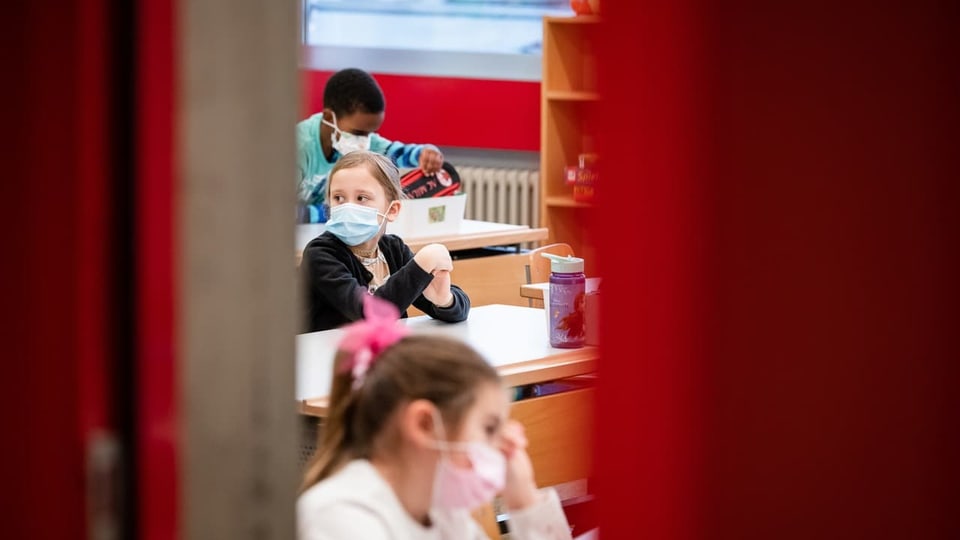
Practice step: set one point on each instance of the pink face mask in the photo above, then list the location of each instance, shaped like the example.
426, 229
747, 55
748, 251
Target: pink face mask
460, 487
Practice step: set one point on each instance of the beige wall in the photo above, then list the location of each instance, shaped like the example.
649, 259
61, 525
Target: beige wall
238, 105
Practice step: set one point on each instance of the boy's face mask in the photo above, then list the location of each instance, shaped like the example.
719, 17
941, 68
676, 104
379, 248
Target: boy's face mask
344, 142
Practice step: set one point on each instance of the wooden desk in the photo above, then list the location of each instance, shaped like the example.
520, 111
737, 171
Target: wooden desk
512, 338
472, 234
535, 290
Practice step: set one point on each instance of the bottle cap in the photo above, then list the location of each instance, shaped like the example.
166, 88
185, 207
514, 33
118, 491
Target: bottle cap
564, 265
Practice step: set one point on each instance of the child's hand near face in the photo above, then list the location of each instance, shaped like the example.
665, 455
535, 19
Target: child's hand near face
431, 159
520, 490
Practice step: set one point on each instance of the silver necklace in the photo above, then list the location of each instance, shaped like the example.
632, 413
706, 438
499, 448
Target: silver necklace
370, 261
369, 258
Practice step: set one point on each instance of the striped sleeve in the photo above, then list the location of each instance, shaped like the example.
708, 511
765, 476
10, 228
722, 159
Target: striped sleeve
406, 156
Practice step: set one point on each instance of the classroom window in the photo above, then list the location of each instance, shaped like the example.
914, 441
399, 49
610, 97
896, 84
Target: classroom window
459, 38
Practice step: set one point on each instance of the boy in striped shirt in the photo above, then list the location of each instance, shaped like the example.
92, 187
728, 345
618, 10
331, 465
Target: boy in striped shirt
353, 111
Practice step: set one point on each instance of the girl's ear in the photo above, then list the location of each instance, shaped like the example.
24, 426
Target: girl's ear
393, 210
417, 423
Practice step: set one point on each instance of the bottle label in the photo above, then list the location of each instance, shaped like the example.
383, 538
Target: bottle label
567, 315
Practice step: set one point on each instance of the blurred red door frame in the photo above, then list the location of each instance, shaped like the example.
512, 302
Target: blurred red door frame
156, 256
58, 300
86, 304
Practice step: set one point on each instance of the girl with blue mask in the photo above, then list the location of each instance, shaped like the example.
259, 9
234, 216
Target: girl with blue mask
355, 255
355, 224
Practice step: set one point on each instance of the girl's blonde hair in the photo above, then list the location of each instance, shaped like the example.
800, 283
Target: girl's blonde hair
442, 370
379, 165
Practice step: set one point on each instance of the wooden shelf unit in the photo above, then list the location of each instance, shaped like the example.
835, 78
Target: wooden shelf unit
569, 110
572, 95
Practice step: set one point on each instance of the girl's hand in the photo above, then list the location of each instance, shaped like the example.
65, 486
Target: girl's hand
433, 257
520, 490
438, 291
431, 159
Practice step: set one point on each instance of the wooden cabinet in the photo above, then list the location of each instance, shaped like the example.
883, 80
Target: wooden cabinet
569, 99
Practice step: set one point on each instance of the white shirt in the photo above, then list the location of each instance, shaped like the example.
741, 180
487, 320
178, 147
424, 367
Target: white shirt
357, 503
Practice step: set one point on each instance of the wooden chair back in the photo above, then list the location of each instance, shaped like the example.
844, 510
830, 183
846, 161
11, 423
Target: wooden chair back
538, 266
491, 280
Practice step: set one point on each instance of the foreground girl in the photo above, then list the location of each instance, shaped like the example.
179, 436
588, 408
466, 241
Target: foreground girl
417, 436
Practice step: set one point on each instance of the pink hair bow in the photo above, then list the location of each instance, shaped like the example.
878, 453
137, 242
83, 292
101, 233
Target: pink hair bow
367, 338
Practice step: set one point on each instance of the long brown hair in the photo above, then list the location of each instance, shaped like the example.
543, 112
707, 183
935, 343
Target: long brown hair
379, 165
442, 370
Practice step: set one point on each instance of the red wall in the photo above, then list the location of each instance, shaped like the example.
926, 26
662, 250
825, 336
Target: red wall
472, 113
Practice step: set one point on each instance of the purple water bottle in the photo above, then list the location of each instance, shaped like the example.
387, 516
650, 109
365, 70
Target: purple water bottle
568, 288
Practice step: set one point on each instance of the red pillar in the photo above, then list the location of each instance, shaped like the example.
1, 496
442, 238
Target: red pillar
783, 361
156, 269
651, 246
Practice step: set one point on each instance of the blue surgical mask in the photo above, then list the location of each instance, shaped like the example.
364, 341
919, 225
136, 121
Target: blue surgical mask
354, 224
344, 142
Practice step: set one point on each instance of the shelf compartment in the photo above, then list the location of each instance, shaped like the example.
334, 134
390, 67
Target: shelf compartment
568, 131
570, 58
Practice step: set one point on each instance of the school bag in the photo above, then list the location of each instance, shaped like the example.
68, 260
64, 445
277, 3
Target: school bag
417, 185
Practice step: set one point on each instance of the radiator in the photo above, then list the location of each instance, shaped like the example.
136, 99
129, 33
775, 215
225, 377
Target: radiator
502, 195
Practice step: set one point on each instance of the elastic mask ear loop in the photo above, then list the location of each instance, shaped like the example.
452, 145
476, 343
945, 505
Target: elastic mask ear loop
337, 132
336, 124
385, 214
443, 445
382, 227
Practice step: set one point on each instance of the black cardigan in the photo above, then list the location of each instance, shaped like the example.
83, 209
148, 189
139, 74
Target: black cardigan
335, 282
